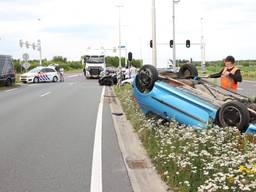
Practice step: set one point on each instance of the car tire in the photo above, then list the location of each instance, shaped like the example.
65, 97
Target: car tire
146, 78
100, 82
188, 71
8, 82
108, 81
235, 114
54, 79
36, 80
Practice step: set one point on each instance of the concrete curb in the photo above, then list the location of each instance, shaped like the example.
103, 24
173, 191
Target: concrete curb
142, 176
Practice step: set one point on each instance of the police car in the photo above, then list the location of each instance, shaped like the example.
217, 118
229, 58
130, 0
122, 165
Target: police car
40, 74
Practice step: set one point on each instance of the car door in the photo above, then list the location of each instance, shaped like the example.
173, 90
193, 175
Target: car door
50, 73
43, 75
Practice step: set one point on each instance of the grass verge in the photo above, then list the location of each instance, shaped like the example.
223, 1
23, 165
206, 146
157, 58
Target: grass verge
188, 160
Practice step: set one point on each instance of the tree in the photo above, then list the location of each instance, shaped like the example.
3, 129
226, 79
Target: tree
59, 59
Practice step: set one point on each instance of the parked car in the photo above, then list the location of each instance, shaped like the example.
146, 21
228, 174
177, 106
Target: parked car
191, 100
7, 73
40, 74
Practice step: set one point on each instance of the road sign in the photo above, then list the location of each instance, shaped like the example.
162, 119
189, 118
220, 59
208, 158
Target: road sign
25, 57
26, 65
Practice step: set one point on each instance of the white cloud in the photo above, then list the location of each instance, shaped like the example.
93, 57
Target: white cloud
68, 27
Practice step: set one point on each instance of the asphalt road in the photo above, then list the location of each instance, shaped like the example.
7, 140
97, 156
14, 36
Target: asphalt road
47, 135
247, 88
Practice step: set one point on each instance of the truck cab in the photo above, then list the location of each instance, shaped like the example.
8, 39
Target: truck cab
94, 65
7, 73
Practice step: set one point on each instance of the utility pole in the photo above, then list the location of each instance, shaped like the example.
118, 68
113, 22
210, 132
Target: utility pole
154, 51
202, 48
119, 28
39, 48
173, 24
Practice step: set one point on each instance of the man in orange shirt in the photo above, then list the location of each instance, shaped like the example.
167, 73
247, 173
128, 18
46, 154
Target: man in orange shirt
230, 75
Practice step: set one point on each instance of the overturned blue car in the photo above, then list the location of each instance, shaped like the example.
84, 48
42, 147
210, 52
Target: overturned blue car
191, 100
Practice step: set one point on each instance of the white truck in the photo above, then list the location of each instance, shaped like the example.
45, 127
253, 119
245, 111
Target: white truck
94, 65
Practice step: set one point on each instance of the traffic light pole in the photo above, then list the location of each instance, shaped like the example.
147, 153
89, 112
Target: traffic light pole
39, 48
173, 23
119, 30
33, 45
154, 51
202, 48
173, 32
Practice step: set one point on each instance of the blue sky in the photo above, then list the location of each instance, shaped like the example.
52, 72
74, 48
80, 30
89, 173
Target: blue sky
68, 28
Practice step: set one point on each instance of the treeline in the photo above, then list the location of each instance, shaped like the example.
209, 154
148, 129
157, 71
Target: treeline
71, 65
114, 62
62, 61
243, 63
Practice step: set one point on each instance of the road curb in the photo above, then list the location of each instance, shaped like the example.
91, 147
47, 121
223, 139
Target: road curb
142, 175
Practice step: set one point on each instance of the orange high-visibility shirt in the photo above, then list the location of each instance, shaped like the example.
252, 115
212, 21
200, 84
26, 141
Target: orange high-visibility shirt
227, 82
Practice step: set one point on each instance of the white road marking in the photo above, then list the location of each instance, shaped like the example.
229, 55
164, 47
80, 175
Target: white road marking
72, 76
96, 176
11, 90
72, 83
43, 95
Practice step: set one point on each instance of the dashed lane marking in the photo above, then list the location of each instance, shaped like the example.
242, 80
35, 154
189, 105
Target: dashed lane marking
43, 95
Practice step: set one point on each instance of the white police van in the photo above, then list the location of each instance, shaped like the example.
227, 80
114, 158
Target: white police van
40, 74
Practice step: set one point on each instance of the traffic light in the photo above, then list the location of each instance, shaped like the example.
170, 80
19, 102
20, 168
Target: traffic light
33, 46
27, 44
151, 43
187, 43
171, 43
130, 56
21, 43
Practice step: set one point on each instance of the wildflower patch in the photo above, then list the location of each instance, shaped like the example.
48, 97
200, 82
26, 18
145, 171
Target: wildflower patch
213, 159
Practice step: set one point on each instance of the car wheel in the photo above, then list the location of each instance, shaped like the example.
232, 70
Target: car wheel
234, 114
55, 79
36, 80
188, 71
8, 82
100, 82
146, 78
108, 81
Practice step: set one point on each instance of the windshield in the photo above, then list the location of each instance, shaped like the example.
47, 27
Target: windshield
94, 59
35, 70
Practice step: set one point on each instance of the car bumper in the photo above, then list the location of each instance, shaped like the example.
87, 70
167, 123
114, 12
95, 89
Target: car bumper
27, 80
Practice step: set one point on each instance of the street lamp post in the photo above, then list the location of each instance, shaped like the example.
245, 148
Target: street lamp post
154, 51
119, 29
173, 22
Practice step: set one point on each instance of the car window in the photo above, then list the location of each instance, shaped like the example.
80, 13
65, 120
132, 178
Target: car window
49, 70
9, 67
43, 70
1, 66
